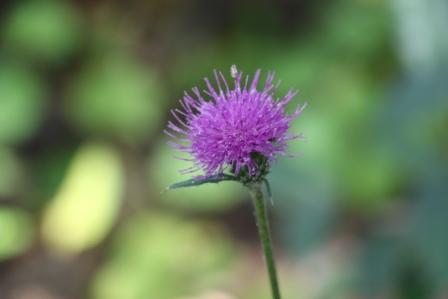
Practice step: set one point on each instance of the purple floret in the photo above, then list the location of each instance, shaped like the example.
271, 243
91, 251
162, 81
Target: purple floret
223, 132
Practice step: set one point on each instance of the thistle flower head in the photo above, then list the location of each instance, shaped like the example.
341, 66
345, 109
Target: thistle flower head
240, 128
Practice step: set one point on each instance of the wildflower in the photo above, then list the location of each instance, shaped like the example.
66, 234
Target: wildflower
239, 129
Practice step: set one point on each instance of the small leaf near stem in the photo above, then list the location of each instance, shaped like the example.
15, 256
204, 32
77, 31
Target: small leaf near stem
265, 236
200, 181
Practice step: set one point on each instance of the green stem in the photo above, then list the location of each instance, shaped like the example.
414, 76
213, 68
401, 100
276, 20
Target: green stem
265, 236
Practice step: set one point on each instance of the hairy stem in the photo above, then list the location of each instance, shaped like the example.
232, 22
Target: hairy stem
265, 236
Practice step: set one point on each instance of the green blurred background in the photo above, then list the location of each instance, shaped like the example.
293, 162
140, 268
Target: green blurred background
85, 92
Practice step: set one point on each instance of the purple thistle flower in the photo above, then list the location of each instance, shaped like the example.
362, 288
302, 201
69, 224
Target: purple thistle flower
235, 127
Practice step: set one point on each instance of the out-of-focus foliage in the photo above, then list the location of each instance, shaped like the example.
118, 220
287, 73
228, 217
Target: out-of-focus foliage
115, 96
46, 30
11, 173
16, 231
22, 103
48, 171
146, 261
91, 191
85, 92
